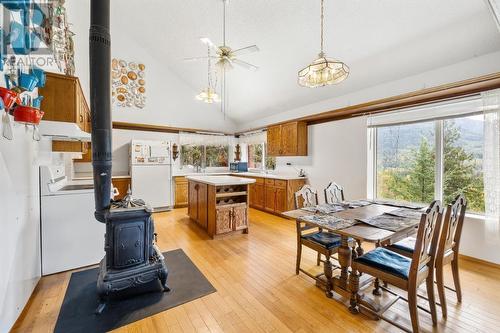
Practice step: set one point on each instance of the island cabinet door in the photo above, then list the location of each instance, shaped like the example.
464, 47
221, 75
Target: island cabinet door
202, 205
240, 217
223, 220
193, 200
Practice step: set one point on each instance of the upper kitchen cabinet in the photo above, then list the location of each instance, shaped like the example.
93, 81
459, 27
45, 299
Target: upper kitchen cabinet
64, 101
289, 139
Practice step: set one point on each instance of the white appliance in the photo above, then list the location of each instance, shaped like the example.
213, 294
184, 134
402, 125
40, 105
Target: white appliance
151, 172
71, 236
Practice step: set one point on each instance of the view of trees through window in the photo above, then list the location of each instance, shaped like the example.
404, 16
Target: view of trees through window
205, 156
406, 161
256, 155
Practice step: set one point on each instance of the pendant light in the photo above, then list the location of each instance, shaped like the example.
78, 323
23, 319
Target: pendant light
323, 71
209, 95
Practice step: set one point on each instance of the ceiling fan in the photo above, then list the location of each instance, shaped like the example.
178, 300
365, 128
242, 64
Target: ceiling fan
225, 56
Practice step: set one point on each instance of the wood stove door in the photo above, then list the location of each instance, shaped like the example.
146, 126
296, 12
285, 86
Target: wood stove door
129, 244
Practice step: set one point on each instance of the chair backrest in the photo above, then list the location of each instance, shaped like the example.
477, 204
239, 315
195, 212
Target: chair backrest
452, 225
334, 193
306, 197
427, 238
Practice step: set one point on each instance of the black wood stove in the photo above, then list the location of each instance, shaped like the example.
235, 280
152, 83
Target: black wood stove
132, 259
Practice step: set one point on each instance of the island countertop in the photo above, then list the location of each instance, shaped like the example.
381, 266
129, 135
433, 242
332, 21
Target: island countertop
221, 180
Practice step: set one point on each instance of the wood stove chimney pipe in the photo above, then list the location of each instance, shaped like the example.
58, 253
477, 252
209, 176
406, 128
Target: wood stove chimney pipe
100, 104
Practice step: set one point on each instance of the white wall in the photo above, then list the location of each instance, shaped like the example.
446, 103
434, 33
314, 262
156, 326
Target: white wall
19, 223
336, 152
170, 101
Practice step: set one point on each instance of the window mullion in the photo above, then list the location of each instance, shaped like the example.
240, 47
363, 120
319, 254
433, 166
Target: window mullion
439, 167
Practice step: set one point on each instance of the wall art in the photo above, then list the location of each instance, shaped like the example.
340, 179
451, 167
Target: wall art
129, 83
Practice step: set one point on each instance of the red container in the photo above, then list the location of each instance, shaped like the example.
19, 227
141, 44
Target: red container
27, 115
9, 97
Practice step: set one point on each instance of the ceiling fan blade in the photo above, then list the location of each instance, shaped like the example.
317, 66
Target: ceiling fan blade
198, 58
245, 65
246, 50
207, 41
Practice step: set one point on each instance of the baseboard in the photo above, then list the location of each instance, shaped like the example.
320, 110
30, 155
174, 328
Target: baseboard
479, 261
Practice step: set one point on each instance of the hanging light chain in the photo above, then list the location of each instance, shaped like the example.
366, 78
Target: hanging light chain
322, 23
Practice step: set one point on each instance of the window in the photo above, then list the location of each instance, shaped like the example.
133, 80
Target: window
216, 156
463, 161
406, 157
205, 156
257, 153
255, 156
427, 160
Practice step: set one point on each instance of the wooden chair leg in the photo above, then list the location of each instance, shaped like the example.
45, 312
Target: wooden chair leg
456, 278
318, 259
441, 291
412, 305
376, 290
432, 300
299, 257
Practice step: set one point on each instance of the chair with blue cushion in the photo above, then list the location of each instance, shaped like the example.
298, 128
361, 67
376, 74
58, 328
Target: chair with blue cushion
447, 250
407, 273
324, 243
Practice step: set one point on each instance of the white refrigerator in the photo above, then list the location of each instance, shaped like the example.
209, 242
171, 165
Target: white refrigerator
151, 172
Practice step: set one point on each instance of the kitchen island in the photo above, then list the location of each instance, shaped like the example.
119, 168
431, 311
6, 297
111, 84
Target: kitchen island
219, 204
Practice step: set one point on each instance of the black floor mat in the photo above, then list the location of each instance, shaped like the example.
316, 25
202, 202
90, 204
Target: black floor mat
186, 282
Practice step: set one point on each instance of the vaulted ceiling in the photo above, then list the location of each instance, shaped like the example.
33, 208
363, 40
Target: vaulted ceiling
380, 40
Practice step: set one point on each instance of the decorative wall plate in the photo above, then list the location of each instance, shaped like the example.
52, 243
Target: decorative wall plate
128, 83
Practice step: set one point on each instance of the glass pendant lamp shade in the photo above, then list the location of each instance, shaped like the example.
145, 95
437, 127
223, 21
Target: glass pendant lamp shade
209, 96
323, 71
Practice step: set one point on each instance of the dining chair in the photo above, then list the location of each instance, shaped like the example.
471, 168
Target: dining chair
334, 193
324, 243
407, 273
447, 251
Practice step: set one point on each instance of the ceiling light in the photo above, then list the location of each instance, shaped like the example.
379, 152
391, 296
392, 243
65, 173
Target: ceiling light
323, 71
208, 95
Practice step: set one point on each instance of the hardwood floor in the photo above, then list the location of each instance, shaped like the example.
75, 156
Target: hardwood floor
258, 291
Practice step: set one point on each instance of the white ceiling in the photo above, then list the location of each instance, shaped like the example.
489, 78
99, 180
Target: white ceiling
380, 40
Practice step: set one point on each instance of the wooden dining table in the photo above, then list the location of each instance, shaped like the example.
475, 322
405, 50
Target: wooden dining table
349, 282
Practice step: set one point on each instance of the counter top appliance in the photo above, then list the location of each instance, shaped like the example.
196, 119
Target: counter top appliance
238, 167
151, 172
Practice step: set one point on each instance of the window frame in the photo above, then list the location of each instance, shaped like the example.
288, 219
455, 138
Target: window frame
439, 164
264, 157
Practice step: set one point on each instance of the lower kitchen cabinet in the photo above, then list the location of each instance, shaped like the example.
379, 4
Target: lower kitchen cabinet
181, 191
231, 218
122, 184
273, 195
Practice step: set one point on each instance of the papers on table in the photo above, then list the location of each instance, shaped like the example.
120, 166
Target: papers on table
407, 213
391, 222
328, 221
324, 208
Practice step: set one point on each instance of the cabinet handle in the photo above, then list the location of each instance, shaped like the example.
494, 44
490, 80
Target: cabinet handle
81, 118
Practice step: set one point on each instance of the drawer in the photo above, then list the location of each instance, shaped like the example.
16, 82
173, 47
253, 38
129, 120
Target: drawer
269, 182
259, 180
280, 183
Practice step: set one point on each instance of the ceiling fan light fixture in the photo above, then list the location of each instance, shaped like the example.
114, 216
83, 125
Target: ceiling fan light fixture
209, 96
323, 71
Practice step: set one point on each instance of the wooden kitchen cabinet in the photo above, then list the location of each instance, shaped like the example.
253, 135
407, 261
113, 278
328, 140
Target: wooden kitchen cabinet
273, 195
122, 184
64, 101
289, 139
181, 191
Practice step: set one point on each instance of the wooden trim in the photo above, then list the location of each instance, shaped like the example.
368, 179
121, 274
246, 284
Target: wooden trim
159, 128
479, 261
419, 97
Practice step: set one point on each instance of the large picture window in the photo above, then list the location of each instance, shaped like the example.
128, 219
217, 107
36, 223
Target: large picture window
205, 156
430, 159
258, 159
